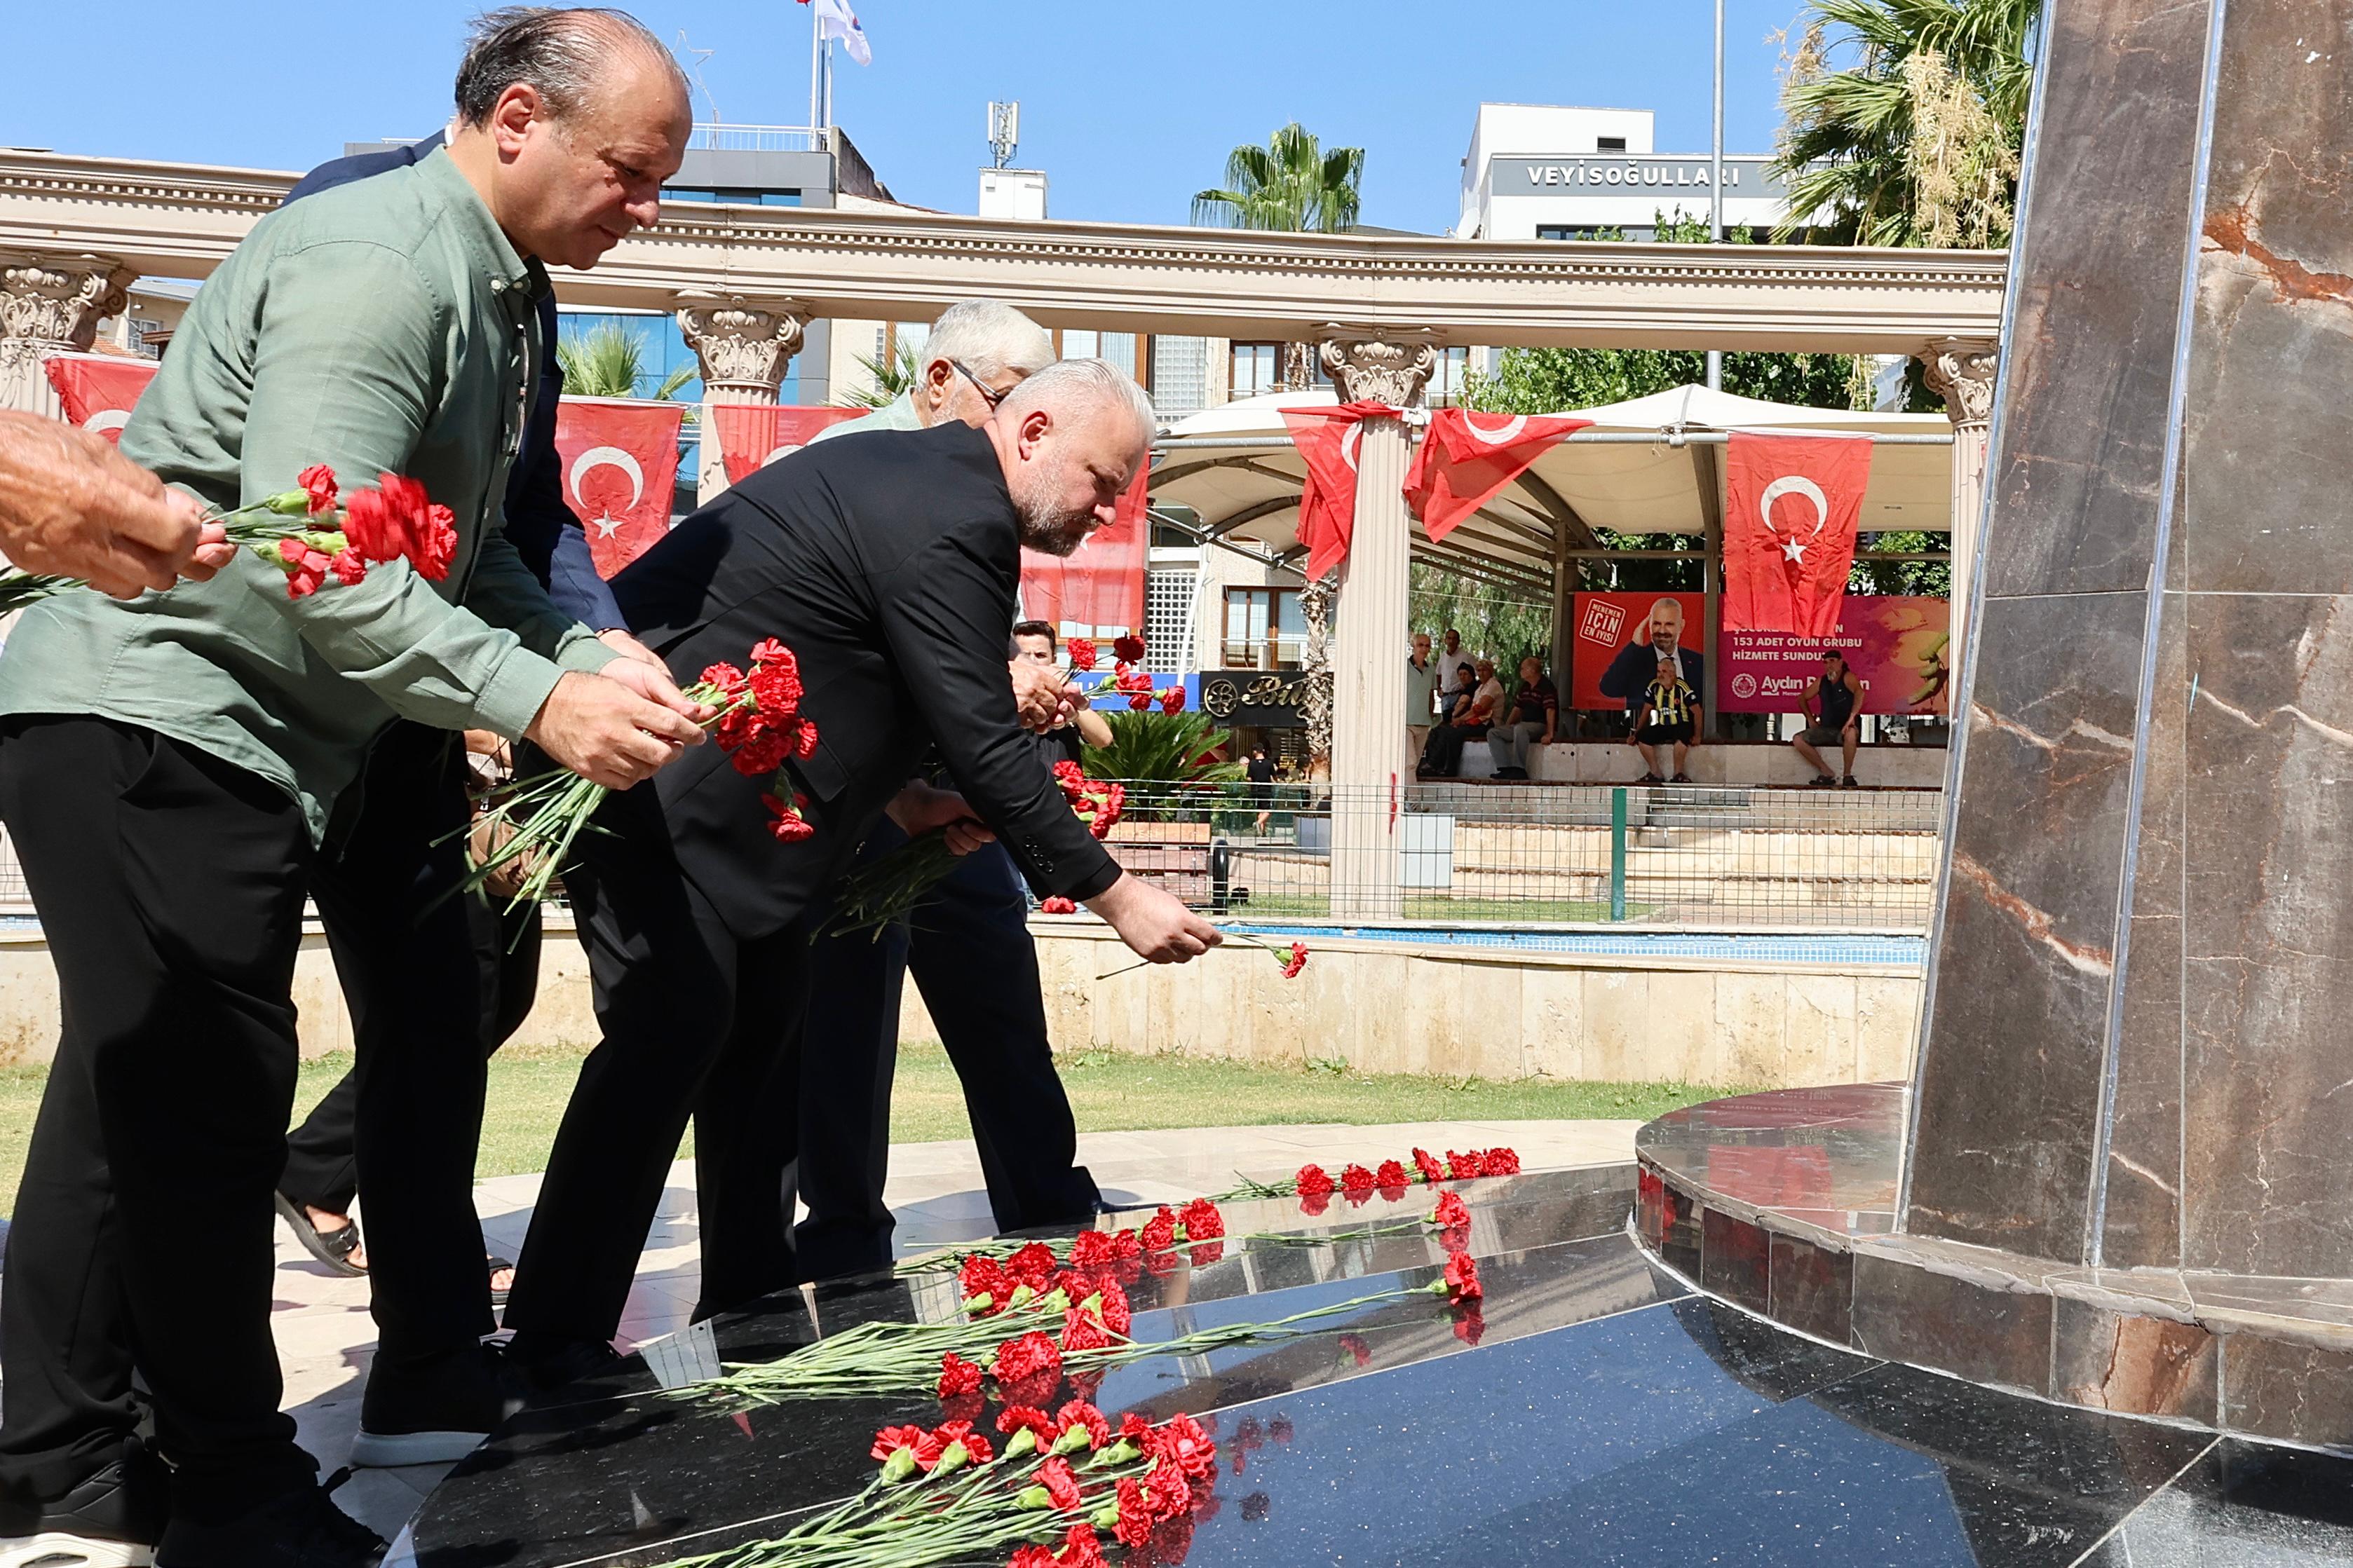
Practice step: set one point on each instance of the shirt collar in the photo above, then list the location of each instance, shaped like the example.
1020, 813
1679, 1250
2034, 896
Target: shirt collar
493, 255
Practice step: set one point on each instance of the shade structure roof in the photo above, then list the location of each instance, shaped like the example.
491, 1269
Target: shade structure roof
1231, 465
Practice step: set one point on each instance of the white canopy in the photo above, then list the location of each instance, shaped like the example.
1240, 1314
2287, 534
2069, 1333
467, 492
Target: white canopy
1244, 490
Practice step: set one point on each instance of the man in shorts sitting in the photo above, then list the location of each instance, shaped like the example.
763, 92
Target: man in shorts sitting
1665, 718
1830, 705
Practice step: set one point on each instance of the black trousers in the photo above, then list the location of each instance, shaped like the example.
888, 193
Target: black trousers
1441, 754
696, 1022
170, 887
972, 956
321, 1161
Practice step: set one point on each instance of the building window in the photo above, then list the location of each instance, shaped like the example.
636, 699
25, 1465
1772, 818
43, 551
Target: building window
1169, 598
1181, 376
734, 194
1264, 629
1610, 143
1567, 231
1253, 368
1116, 348
1445, 379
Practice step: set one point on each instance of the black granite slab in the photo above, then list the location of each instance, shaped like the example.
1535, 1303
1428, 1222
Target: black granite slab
2242, 1505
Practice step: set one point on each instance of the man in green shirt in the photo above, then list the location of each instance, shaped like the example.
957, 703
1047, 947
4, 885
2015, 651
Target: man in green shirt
180, 772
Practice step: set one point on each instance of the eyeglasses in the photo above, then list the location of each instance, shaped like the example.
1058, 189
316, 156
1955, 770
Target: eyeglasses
986, 395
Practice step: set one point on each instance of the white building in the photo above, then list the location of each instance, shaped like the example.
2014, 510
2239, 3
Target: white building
1548, 171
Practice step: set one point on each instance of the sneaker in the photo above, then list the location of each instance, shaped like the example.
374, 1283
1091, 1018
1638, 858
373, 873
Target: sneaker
432, 1411
544, 1363
111, 1521
305, 1529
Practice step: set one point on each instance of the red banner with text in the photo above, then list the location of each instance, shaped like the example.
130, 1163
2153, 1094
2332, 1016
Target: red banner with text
1098, 590
1603, 625
619, 459
99, 391
1898, 648
752, 436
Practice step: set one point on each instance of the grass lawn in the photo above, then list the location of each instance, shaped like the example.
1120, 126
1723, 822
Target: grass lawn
1441, 908
1109, 1091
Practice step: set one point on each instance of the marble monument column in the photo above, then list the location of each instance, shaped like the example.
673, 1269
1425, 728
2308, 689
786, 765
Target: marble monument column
1961, 370
2136, 1050
743, 346
50, 304
1368, 655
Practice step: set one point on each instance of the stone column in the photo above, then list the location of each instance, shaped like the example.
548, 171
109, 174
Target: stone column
1368, 655
743, 346
50, 303
1961, 372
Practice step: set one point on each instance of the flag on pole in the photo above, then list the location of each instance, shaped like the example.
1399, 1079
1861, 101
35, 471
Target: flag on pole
1465, 460
1791, 507
1327, 440
99, 391
619, 462
835, 19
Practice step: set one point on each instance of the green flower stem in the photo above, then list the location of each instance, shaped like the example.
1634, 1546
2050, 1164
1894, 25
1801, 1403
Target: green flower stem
877, 896
257, 526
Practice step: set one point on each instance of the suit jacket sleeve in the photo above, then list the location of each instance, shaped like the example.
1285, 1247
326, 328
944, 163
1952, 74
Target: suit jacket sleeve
946, 610
547, 533
1626, 677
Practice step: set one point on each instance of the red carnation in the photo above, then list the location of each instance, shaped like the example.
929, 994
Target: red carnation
1124, 1244
762, 754
788, 825
1357, 1348
1462, 1277
891, 1439
725, 677
1469, 1327
319, 480
1033, 1264
1060, 1482
1081, 1331
1296, 962
1356, 1179
1117, 1315
1083, 653
1208, 1252
1070, 775
1202, 1220
308, 573
984, 1276
976, 1446
1167, 1490
1451, 1211
777, 689
348, 566
1134, 1526
1185, 1443
368, 524
1463, 1167
1082, 1548
1026, 1356
1018, 1417
957, 1375
1128, 649
1141, 703
1056, 905
1032, 1557
1390, 1174
1093, 1249
768, 650
1173, 700
1430, 1169
1314, 1183
1313, 1205
1079, 1414
1160, 1231
1503, 1162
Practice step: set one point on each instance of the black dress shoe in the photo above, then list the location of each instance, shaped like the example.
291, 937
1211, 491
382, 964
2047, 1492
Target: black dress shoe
544, 1363
305, 1529
433, 1411
111, 1521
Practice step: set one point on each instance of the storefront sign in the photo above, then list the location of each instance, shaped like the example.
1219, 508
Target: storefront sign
1603, 625
1262, 699
1896, 647
1628, 175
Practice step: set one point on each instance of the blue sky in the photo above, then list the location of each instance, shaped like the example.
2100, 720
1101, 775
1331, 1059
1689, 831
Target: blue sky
1130, 108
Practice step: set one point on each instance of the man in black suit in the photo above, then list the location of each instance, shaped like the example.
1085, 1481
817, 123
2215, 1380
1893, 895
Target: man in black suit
889, 563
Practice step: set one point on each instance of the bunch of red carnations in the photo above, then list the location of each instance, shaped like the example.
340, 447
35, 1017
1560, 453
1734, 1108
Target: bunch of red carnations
1356, 1182
1098, 803
756, 719
335, 538
1128, 678
1058, 1490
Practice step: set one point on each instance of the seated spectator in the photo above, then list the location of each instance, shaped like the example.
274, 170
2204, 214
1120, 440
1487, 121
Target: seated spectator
1442, 758
1830, 703
1533, 716
1664, 717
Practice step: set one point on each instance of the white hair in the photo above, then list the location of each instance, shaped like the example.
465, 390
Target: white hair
989, 339
1084, 384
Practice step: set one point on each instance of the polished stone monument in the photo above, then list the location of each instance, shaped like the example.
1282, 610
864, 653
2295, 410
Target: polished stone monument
2127, 1158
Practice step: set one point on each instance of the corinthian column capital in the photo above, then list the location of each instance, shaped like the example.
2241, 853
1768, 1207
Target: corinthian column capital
743, 345
1386, 367
57, 301
1961, 372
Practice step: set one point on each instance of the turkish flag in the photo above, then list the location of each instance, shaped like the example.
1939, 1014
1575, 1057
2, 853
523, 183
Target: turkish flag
99, 390
1098, 591
1465, 458
1792, 503
620, 471
751, 436
1327, 440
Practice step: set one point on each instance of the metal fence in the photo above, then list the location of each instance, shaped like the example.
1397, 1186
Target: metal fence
1664, 856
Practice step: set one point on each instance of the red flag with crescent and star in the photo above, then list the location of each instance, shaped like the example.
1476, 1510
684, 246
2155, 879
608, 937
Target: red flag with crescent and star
1099, 590
99, 391
619, 459
1327, 439
1790, 508
1466, 458
752, 436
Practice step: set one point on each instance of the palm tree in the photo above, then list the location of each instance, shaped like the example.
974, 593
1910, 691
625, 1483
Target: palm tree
606, 361
1291, 183
1915, 141
887, 378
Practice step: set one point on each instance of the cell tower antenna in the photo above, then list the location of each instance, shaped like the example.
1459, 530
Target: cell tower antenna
1004, 130
702, 57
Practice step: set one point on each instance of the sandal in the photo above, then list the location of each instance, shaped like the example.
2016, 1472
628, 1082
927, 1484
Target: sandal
332, 1247
1649, 778
498, 1296
1822, 779
1848, 783
1679, 778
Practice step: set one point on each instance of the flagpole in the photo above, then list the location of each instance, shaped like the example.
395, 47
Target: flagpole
817, 74
1716, 187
